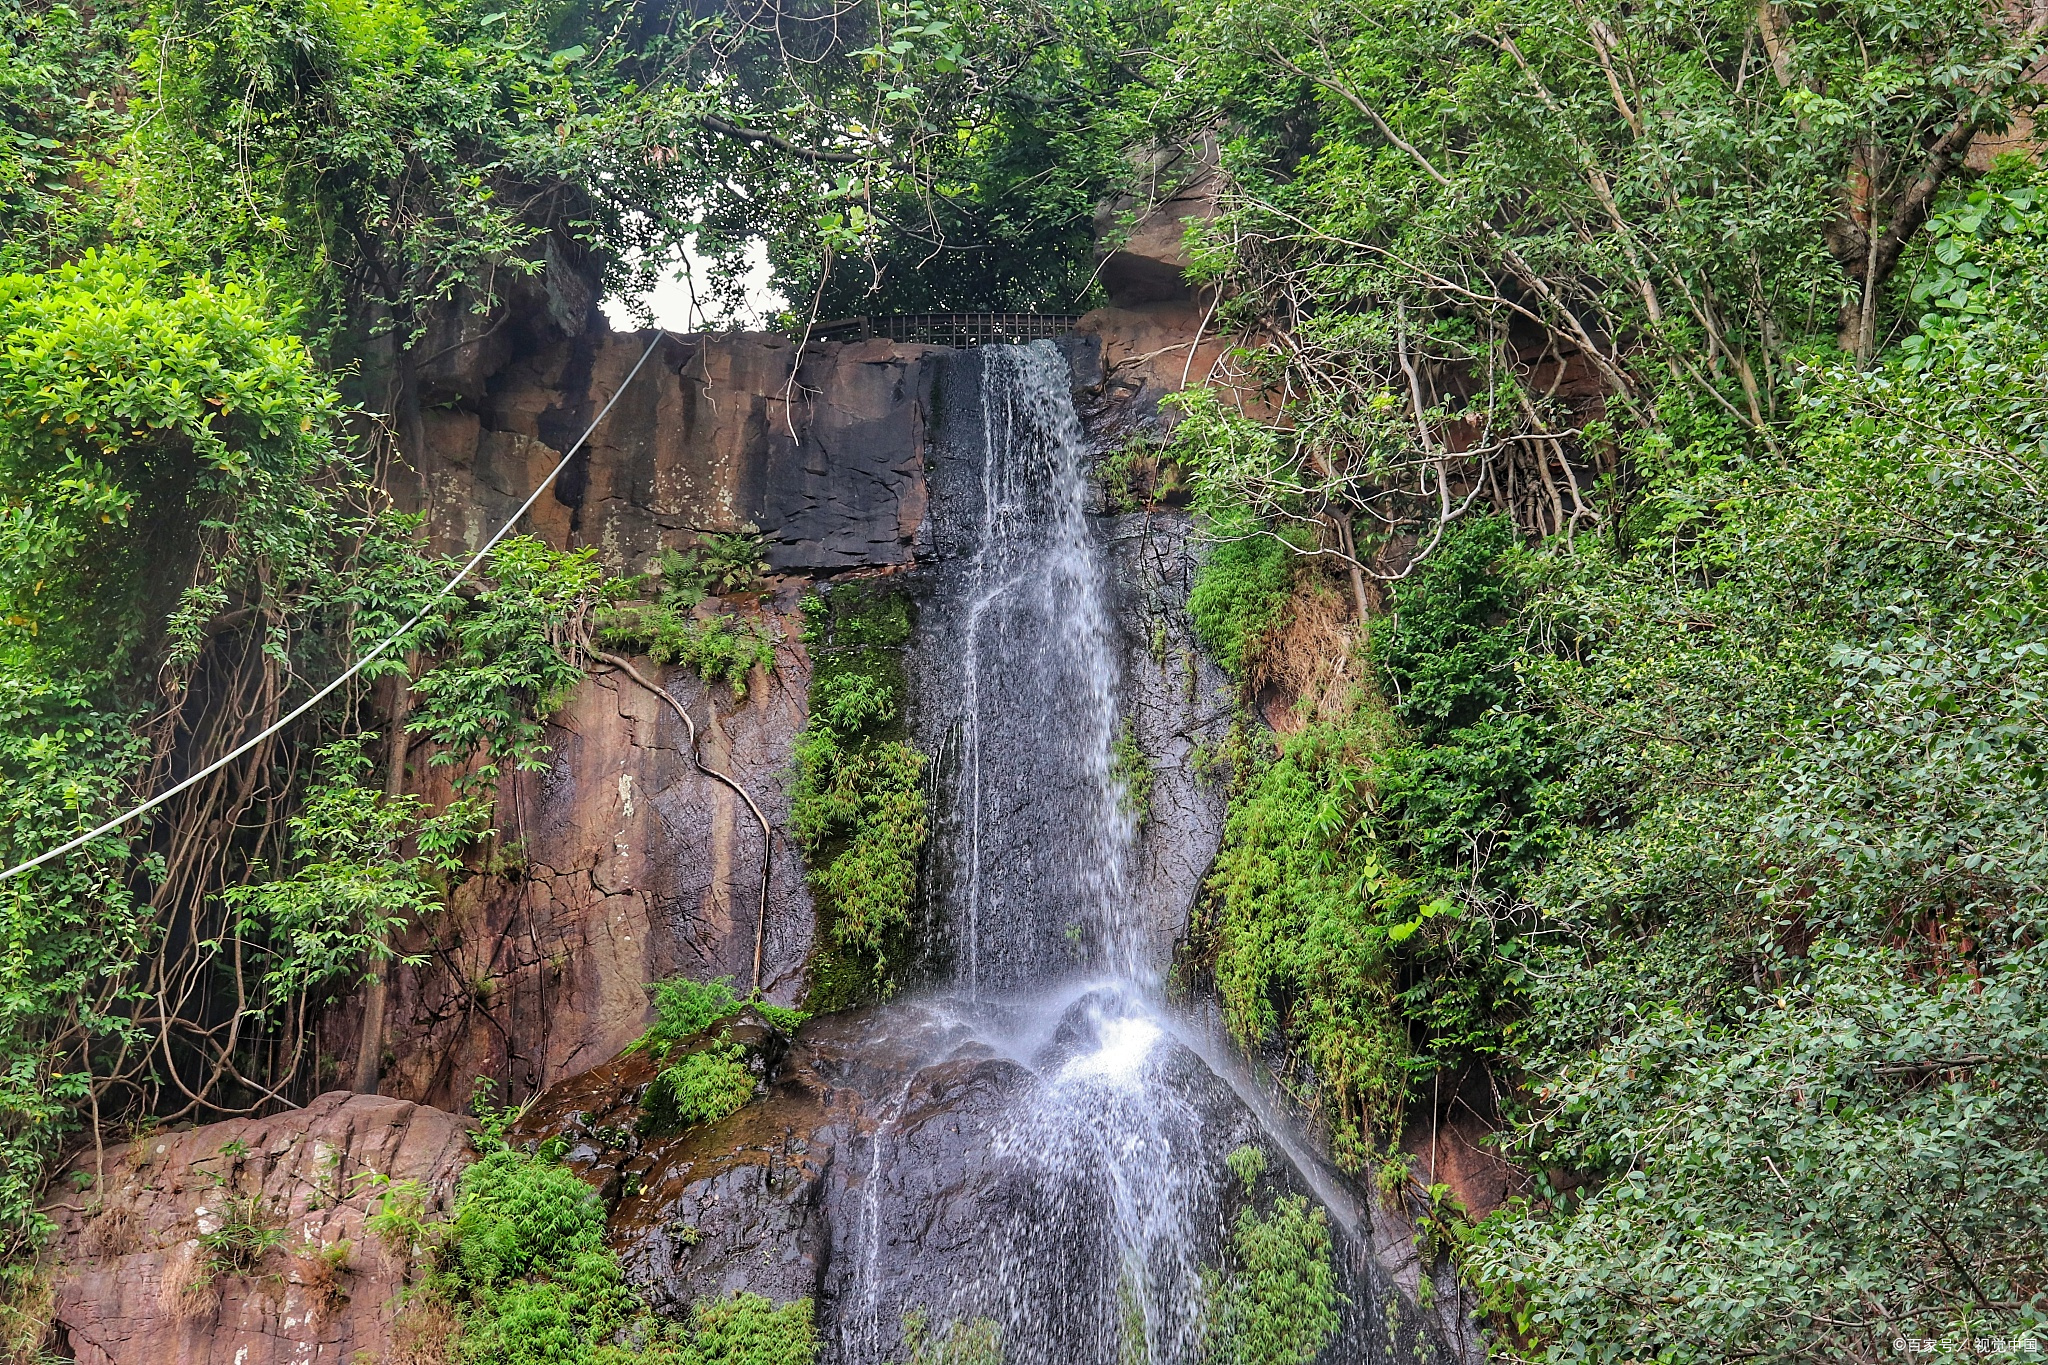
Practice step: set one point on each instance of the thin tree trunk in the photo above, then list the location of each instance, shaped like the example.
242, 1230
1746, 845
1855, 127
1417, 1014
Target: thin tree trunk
370, 1048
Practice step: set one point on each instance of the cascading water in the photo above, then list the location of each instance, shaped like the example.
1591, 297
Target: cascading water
1041, 837
1094, 1134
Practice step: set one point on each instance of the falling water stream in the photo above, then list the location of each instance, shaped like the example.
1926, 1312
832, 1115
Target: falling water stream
1108, 1190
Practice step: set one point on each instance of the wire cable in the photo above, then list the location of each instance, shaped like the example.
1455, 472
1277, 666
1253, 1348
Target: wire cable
368, 659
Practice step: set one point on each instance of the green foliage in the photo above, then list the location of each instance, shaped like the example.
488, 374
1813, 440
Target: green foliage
1247, 1163
131, 416
976, 1341
1445, 651
399, 1220
1798, 708
393, 159
244, 1232
720, 562
355, 889
1298, 921
1131, 771
704, 1086
684, 1008
178, 505
1278, 1303
524, 1267
1854, 1133
747, 1329
57, 117
858, 808
720, 648
1366, 882
1748, 889
714, 1078
1240, 595
512, 656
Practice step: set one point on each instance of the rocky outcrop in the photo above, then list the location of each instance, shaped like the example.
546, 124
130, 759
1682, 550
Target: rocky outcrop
717, 432
618, 865
908, 1159
1142, 234
146, 1267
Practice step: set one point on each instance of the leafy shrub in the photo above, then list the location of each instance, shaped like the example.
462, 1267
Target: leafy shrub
747, 1329
1446, 651
1295, 927
703, 1087
516, 1216
715, 1080
723, 649
716, 648
720, 562
524, 1271
1240, 595
1278, 1303
858, 808
1247, 1163
130, 414
507, 660
245, 1231
684, 1008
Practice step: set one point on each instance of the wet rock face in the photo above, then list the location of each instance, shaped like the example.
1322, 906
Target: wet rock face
132, 1283
1178, 704
963, 1161
749, 1204
714, 433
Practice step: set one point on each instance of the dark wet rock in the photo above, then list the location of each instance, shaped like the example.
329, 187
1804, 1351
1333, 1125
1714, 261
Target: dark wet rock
715, 433
762, 1201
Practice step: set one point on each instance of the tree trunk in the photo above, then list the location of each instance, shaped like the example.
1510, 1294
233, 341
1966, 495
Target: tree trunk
370, 1048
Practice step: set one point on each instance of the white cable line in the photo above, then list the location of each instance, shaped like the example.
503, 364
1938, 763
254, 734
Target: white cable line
314, 700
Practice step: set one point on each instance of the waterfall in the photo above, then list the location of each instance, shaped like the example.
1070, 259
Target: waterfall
1047, 843
1044, 836
1054, 1167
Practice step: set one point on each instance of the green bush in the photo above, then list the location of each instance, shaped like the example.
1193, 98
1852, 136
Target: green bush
1446, 651
702, 1087
1240, 596
684, 1008
747, 1329
1278, 1305
1720, 834
858, 808
524, 1267
713, 1081
975, 1341
720, 648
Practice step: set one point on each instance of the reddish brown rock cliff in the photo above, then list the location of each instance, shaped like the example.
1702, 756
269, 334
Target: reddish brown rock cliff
133, 1282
